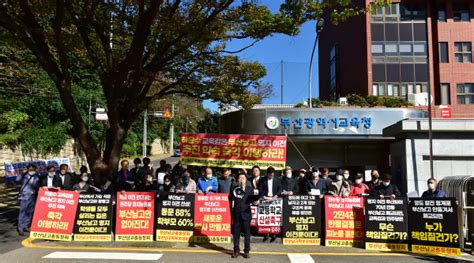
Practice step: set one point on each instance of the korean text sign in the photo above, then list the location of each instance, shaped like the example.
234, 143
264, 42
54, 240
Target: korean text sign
233, 150
302, 220
269, 216
54, 215
134, 218
212, 219
344, 221
434, 226
175, 217
94, 218
386, 224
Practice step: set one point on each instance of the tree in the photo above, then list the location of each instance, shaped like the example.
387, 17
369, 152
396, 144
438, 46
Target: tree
142, 51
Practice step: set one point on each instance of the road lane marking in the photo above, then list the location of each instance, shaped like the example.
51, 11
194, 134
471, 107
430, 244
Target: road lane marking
103, 255
29, 244
300, 258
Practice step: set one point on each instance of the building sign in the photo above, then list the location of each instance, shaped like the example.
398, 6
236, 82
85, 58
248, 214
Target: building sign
212, 218
175, 217
344, 221
54, 215
269, 216
326, 122
233, 150
434, 226
14, 169
302, 220
386, 224
94, 218
134, 219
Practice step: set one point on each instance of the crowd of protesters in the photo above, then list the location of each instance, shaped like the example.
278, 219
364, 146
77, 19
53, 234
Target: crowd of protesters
177, 179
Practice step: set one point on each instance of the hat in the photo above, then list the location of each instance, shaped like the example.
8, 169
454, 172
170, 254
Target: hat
302, 170
340, 172
314, 169
358, 176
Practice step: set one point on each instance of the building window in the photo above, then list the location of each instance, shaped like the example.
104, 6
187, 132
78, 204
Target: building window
461, 13
377, 49
443, 52
463, 52
441, 13
406, 49
445, 94
333, 56
412, 12
375, 88
465, 93
391, 49
381, 91
419, 49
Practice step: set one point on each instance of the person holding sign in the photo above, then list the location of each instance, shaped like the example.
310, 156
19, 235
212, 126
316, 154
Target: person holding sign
386, 189
270, 189
207, 184
288, 183
339, 187
242, 196
30, 183
359, 188
51, 180
316, 185
432, 191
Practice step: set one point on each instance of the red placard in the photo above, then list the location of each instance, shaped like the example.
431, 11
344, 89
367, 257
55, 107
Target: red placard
344, 221
254, 210
446, 113
233, 150
54, 216
212, 218
134, 219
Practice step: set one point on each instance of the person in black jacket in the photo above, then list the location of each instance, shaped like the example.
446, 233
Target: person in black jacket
289, 184
386, 189
272, 192
68, 180
242, 195
51, 180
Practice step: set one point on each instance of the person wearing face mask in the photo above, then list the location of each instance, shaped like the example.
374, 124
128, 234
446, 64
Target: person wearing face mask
186, 184
340, 187
146, 184
30, 183
207, 183
316, 185
302, 182
375, 181
433, 191
51, 180
289, 184
167, 186
386, 189
347, 175
84, 185
225, 182
359, 188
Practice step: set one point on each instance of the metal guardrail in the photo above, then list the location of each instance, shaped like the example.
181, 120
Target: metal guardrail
462, 188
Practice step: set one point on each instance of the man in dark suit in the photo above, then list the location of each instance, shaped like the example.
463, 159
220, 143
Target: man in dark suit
242, 195
51, 180
270, 189
68, 180
270, 186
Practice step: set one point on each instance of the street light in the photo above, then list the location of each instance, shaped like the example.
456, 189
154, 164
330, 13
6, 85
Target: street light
319, 28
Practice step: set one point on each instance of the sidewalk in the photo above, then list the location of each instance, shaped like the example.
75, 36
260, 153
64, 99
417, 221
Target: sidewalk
258, 247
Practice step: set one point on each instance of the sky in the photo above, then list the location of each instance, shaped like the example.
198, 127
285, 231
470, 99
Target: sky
295, 52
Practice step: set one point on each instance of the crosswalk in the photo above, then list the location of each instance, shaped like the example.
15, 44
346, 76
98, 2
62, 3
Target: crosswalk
300, 258
104, 255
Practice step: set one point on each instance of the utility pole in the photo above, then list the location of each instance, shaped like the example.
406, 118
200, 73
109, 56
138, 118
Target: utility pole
281, 80
145, 132
172, 129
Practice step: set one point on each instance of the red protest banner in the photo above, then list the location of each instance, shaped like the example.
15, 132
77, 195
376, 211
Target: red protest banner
54, 215
212, 218
134, 220
254, 210
233, 150
344, 221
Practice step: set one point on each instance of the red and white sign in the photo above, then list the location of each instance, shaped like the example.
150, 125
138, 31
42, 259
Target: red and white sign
344, 221
134, 219
54, 216
446, 113
212, 220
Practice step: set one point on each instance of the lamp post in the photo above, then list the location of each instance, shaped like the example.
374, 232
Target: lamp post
319, 28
